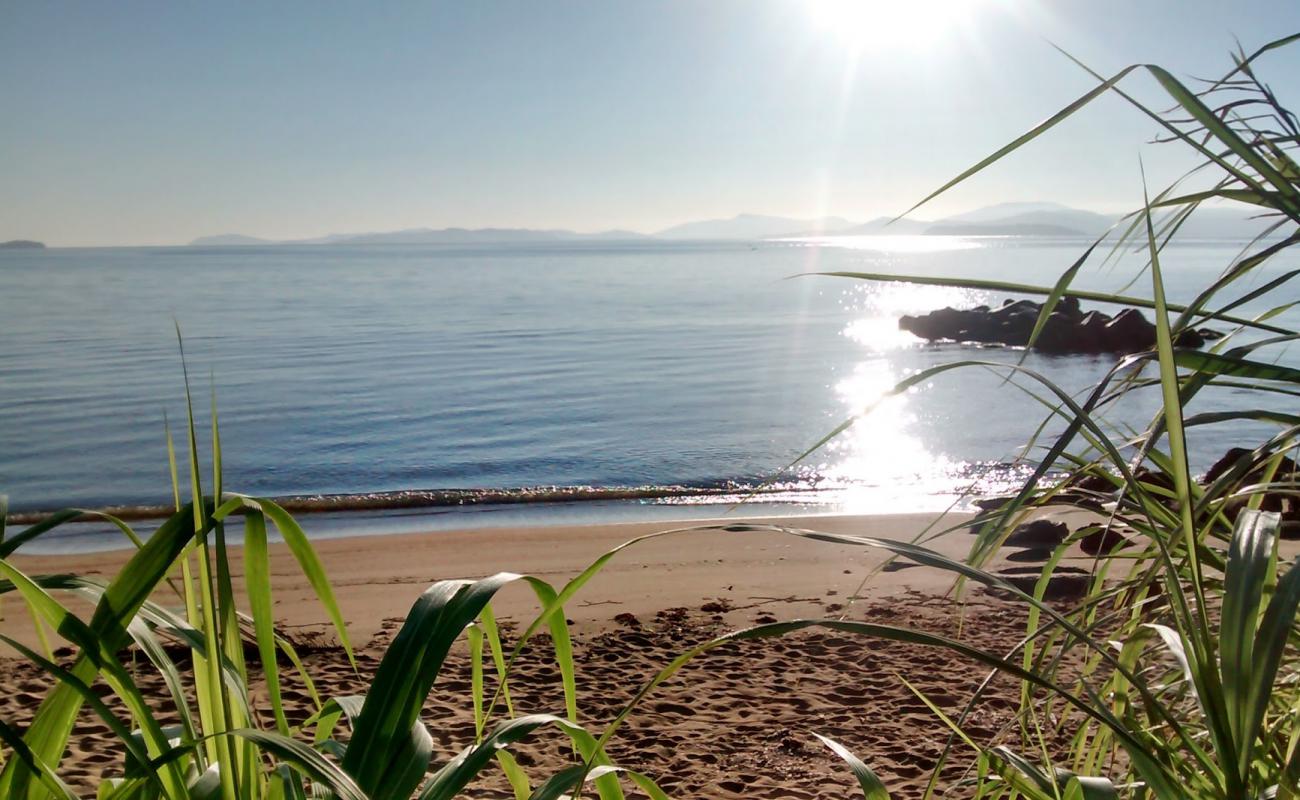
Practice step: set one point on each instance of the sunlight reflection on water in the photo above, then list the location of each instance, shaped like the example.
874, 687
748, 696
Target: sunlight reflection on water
877, 307
881, 461
878, 460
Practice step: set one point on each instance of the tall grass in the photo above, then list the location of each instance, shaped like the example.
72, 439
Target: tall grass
1186, 637
1175, 677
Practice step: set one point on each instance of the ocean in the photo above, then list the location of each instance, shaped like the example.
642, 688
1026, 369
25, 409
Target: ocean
555, 382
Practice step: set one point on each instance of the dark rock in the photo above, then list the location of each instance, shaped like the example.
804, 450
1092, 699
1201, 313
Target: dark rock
1088, 482
1240, 457
1240, 463
1153, 479
1090, 333
1038, 534
1069, 307
1068, 329
1103, 542
1129, 332
992, 503
1086, 491
1030, 555
1058, 335
1065, 583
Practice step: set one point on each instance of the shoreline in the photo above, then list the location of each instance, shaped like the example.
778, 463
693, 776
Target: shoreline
93, 534
681, 569
399, 499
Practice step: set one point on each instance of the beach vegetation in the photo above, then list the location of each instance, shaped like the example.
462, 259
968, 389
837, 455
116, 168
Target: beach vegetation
1175, 675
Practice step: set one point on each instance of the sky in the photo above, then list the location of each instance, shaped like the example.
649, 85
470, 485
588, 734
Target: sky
134, 123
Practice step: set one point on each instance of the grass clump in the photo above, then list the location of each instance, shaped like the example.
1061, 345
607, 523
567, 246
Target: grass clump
1188, 686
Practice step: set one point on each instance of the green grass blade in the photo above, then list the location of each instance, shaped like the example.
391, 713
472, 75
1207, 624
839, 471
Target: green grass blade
171, 462
121, 600
1270, 644
871, 785
257, 577
474, 636
34, 764
515, 774
1225, 134
312, 569
290, 785
1173, 420
305, 760
1250, 559
592, 754
488, 621
1216, 364
1058, 291
562, 784
216, 444
130, 743
96, 658
9, 545
405, 676
452, 778
232, 649
214, 714
1028, 136
148, 643
1265, 199
569, 782
1090, 788
1212, 155
562, 645
326, 719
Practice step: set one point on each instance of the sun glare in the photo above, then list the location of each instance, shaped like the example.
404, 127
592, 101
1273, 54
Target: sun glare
862, 24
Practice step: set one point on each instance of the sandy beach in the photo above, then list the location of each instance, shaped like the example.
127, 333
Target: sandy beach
737, 722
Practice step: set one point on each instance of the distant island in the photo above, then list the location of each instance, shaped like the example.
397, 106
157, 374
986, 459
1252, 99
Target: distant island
1035, 219
22, 244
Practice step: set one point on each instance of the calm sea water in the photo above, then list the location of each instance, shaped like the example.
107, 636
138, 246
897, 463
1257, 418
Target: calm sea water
365, 369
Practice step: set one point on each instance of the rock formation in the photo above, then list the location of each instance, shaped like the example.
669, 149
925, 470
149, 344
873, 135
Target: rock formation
1068, 329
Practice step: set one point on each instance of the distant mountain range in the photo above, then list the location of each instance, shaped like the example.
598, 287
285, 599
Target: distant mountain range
427, 236
1005, 219
754, 226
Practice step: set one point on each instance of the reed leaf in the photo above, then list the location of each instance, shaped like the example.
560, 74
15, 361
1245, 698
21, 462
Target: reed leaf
871, 786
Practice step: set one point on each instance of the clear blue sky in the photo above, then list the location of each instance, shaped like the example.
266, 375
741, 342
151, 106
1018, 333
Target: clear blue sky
144, 122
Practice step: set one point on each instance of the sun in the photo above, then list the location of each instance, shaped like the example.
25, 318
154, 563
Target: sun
889, 24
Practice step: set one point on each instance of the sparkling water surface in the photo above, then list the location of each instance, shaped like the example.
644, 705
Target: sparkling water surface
360, 369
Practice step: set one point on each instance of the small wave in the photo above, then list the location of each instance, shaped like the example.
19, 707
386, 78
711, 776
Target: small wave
436, 498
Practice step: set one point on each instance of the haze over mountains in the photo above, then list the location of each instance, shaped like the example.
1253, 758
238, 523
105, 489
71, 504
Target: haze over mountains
1005, 219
